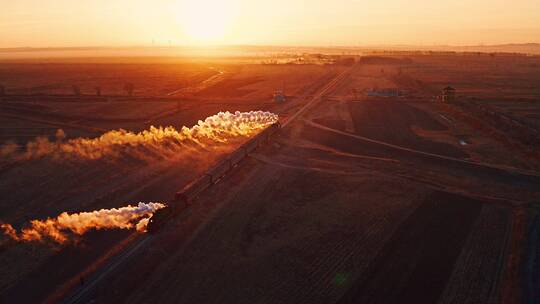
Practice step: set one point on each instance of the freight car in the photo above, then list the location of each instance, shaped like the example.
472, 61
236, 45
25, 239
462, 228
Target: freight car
185, 197
181, 202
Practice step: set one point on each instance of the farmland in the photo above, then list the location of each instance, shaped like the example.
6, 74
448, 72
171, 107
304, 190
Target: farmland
360, 199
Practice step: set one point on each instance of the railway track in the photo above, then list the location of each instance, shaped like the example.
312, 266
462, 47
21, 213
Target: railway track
83, 294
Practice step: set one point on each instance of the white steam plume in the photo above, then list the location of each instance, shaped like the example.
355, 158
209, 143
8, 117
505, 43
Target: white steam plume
218, 128
65, 226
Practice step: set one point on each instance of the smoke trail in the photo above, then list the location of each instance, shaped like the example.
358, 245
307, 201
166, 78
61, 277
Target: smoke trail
218, 128
8, 148
61, 228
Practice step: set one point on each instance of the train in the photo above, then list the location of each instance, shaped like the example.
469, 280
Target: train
185, 197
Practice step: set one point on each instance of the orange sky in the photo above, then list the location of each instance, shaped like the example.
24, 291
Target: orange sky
43, 23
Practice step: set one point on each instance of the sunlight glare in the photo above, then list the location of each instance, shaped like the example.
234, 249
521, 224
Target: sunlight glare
205, 21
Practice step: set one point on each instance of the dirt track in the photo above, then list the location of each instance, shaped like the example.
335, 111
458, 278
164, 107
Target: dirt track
379, 120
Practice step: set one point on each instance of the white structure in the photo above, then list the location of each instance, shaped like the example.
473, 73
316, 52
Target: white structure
279, 96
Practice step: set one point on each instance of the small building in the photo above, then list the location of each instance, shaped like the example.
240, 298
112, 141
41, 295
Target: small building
448, 94
387, 92
279, 96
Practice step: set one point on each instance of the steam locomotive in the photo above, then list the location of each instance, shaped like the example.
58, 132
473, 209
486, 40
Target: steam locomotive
185, 197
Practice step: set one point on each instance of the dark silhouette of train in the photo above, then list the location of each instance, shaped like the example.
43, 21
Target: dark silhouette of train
185, 197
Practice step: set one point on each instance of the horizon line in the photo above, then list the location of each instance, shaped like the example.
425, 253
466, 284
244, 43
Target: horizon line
262, 45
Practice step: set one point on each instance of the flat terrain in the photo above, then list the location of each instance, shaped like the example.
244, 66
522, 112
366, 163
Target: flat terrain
45, 187
307, 220
359, 200
58, 78
40, 98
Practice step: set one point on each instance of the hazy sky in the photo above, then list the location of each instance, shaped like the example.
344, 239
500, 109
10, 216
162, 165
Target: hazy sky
278, 22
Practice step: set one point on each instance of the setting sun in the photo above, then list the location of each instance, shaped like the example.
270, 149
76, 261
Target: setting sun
205, 21
257, 151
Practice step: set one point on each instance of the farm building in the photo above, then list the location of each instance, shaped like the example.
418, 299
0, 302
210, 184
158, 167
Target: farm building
279, 96
388, 92
448, 94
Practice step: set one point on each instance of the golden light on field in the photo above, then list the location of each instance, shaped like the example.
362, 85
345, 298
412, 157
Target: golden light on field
205, 21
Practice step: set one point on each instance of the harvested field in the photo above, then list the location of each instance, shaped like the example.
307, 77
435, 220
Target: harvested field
255, 82
531, 274
359, 199
417, 261
379, 120
506, 83
230, 88
58, 78
476, 275
309, 227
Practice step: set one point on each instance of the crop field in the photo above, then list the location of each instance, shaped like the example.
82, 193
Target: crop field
358, 199
45, 186
58, 78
